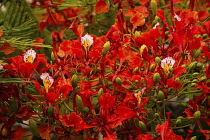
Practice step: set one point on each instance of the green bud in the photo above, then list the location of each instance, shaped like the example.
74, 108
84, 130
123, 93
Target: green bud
106, 48
135, 69
192, 66
50, 110
118, 81
141, 49
153, 5
52, 56
4, 131
162, 2
152, 67
94, 100
197, 114
194, 81
142, 126
137, 33
193, 84
195, 74
156, 116
197, 53
74, 80
177, 79
199, 64
178, 122
33, 127
156, 78
79, 103
157, 18
157, 60
161, 95
204, 35
100, 92
203, 79
194, 138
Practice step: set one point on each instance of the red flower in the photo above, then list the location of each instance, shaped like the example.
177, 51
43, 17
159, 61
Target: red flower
19, 133
74, 120
106, 101
101, 7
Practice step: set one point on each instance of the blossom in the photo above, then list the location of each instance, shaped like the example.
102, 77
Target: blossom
87, 41
177, 17
29, 56
156, 25
47, 80
167, 63
1, 67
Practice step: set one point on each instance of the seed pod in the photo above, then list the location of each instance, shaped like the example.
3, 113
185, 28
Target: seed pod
106, 48
153, 5
74, 80
197, 53
142, 126
157, 60
50, 110
156, 78
197, 114
100, 92
33, 127
118, 81
161, 95
152, 67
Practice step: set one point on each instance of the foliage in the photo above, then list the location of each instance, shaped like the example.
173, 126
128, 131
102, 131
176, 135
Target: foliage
105, 69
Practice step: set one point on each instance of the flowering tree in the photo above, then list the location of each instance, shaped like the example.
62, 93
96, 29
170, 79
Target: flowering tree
103, 69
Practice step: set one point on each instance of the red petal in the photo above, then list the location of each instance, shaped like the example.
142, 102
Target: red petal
7, 48
106, 100
101, 7
19, 133
44, 131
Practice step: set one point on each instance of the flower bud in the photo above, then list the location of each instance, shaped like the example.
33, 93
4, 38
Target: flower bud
157, 60
137, 33
197, 114
203, 79
152, 67
118, 81
79, 103
153, 5
156, 78
193, 84
4, 132
74, 81
33, 127
50, 110
161, 95
192, 66
142, 126
194, 138
156, 115
197, 53
106, 48
177, 79
195, 74
162, 2
199, 64
141, 49
178, 122
100, 92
